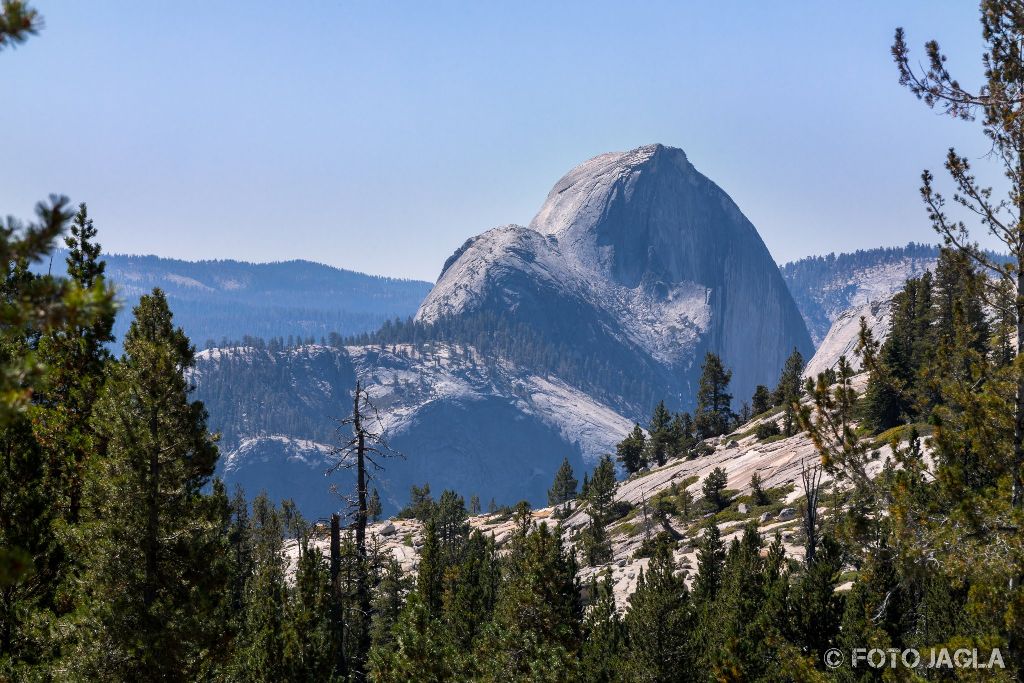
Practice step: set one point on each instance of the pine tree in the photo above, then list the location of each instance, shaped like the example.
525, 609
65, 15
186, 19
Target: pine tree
417, 650
563, 490
682, 436
661, 442
790, 384
761, 401
155, 529
659, 622
600, 496
712, 488
757, 491
76, 358
452, 527
373, 508
1003, 124
631, 451
710, 562
430, 580
604, 644
714, 412
471, 588
538, 615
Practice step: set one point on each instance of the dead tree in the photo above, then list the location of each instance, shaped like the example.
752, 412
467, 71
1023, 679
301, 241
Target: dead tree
362, 451
810, 476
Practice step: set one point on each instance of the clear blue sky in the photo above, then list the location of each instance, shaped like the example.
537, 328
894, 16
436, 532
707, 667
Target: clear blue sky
378, 136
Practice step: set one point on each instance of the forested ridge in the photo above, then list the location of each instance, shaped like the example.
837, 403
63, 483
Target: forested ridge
123, 558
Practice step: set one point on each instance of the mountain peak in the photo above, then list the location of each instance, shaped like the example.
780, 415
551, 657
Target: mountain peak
634, 257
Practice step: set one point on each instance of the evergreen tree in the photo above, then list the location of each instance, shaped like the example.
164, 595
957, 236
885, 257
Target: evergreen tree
632, 450
790, 384
714, 411
661, 443
659, 623
430, 580
710, 562
761, 401
471, 588
604, 644
537, 623
757, 491
373, 508
712, 488
600, 496
563, 490
417, 650
682, 436
1003, 124
155, 530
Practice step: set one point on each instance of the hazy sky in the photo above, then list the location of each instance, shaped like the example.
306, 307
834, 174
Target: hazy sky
378, 136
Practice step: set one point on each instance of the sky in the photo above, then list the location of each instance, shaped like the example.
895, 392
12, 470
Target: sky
380, 136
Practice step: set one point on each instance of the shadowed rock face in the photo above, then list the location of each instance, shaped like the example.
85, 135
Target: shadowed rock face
657, 265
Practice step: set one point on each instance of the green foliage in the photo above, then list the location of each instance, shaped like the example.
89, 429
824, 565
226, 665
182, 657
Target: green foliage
632, 450
713, 487
761, 401
152, 530
659, 622
767, 430
714, 402
373, 508
563, 489
757, 492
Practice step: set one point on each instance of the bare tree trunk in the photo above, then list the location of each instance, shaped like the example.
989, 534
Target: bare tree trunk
811, 477
362, 570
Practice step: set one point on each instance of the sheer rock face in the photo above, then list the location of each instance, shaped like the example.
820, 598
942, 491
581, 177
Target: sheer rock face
638, 260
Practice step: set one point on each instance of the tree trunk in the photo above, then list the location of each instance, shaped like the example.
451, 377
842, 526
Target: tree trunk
362, 570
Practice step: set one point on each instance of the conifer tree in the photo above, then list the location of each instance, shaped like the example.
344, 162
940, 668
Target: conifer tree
660, 444
373, 508
76, 357
563, 490
659, 622
632, 450
538, 615
712, 488
1001, 107
757, 491
155, 529
761, 401
430, 581
604, 644
681, 432
600, 497
714, 411
710, 560
471, 589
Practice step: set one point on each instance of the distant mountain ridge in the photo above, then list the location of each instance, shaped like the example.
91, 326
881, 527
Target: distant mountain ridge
825, 287
218, 300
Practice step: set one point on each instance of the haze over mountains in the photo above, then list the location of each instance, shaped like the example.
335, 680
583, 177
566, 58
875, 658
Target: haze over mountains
536, 343
222, 300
